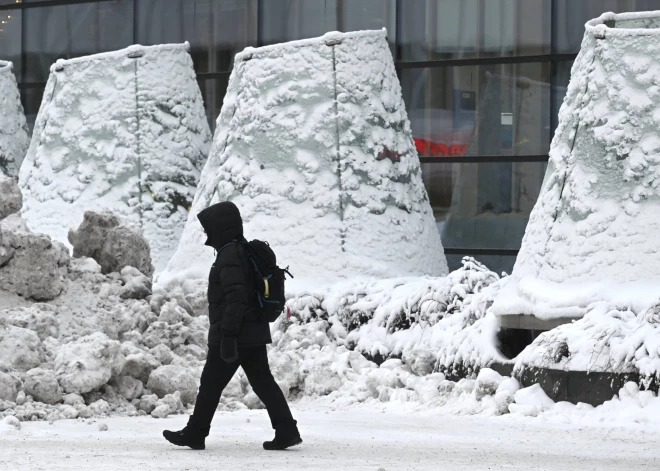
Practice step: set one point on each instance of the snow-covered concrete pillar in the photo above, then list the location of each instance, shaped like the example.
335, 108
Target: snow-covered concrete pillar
14, 138
594, 233
313, 144
123, 131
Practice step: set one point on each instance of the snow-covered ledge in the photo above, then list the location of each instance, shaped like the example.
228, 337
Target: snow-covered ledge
592, 238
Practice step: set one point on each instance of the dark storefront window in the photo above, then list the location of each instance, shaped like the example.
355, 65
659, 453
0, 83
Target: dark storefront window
66, 31
482, 80
215, 29
287, 20
10, 38
571, 15
461, 29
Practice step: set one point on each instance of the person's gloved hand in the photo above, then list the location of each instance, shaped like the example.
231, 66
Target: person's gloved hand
229, 349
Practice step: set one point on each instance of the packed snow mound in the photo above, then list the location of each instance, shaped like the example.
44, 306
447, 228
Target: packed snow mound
31, 265
14, 138
92, 350
592, 235
11, 198
124, 132
314, 146
114, 245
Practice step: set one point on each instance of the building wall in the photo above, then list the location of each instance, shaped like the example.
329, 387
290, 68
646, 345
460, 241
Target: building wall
482, 79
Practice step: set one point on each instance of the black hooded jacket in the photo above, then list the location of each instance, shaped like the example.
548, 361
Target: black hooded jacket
232, 297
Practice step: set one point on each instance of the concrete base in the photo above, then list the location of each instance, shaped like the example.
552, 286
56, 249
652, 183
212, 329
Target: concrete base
573, 386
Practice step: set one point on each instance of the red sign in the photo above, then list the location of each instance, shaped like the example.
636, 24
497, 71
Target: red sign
429, 148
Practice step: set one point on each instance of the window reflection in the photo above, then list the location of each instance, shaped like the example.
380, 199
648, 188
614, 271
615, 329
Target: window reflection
215, 29
287, 20
66, 31
451, 29
479, 110
10, 38
571, 16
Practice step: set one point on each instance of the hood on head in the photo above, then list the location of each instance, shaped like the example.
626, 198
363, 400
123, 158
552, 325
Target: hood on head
222, 223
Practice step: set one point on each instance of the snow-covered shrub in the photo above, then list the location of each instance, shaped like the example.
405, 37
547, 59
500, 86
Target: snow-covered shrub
121, 131
14, 139
444, 319
314, 146
592, 235
605, 340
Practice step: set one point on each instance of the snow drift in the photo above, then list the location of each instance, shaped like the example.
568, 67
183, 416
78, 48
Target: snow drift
124, 132
14, 138
592, 236
313, 144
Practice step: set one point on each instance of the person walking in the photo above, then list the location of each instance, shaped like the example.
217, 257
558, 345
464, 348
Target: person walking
238, 336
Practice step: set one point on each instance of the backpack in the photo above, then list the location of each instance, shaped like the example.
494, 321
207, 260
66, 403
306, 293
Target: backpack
268, 279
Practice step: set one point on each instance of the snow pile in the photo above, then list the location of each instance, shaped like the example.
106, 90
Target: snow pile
11, 198
314, 146
124, 132
92, 351
592, 235
115, 246
14, 139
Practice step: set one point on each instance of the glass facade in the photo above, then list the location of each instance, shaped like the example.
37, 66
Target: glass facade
482, 80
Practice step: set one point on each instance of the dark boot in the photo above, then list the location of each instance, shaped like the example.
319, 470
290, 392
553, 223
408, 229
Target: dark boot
186, 437
286, 436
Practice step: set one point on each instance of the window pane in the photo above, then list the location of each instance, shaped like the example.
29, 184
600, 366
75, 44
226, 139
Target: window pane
10, 39
215, 29
560, 80
31, 98
287, 20
468, 197
571, 16
446, 29
66, 31
485, 205
479, 110
213, 92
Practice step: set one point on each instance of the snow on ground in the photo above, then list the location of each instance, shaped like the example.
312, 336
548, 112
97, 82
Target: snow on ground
355, 439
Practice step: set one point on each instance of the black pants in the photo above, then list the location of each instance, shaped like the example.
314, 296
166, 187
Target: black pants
216, 376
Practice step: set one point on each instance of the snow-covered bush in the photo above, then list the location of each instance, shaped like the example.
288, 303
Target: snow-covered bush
592, 236
122, 131
14, 139
314, 146
436, 322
